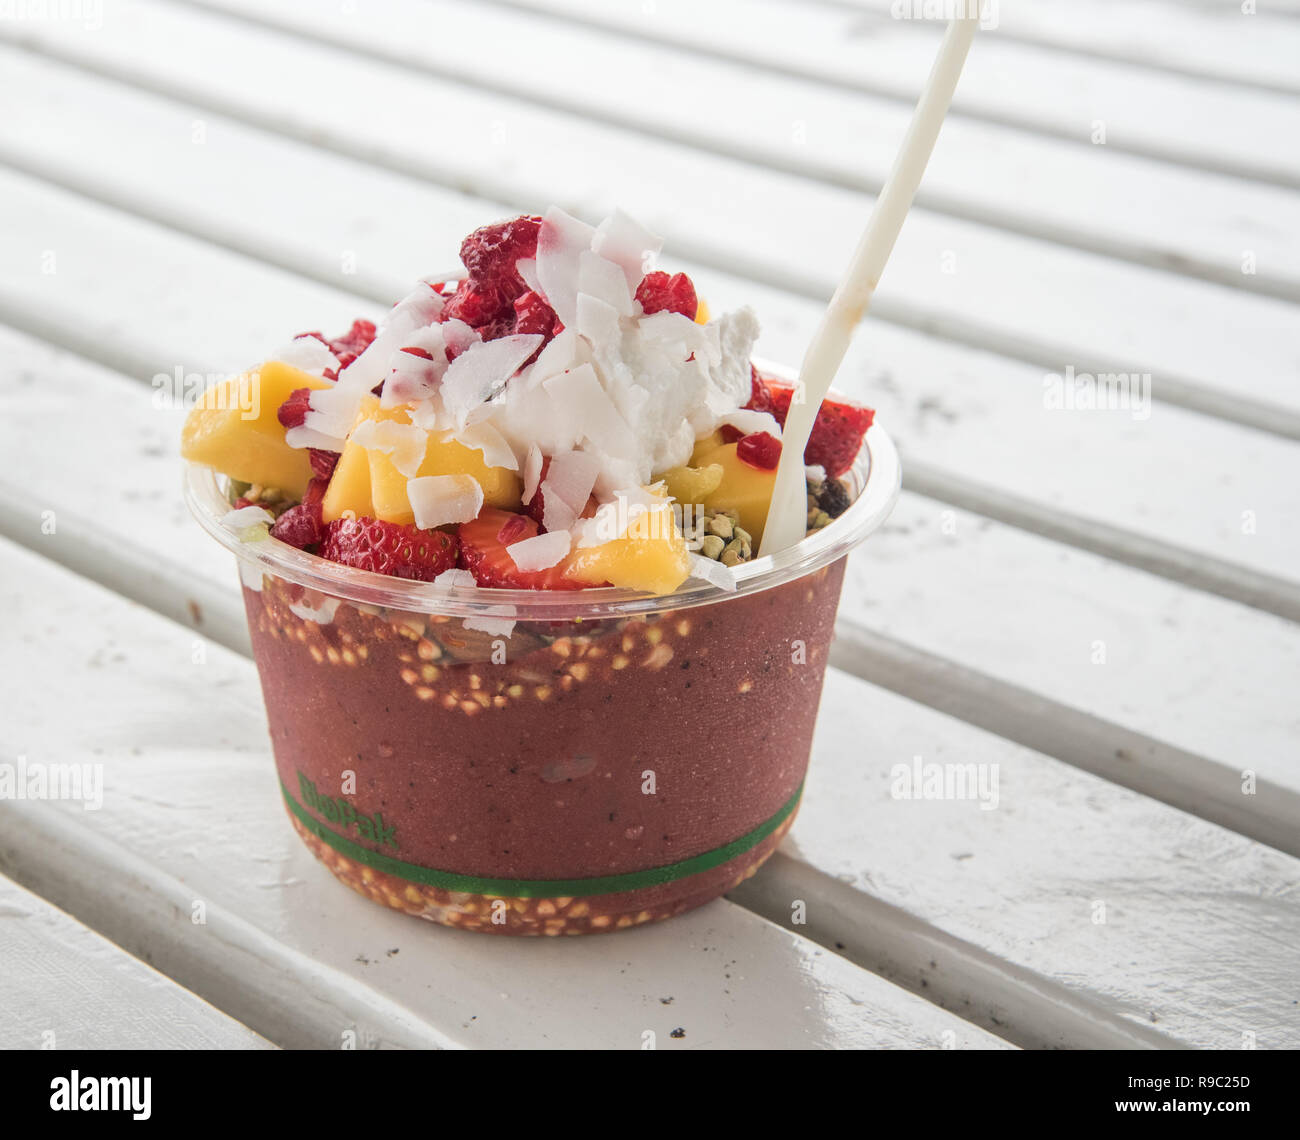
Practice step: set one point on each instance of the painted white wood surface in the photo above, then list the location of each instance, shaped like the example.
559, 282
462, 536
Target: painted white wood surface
952, 410
1225, 40
65, 987
1096, 198
904, 591
1029, 299
1164, 116
191, 815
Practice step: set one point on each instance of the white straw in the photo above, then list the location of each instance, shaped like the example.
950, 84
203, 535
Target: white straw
787, 516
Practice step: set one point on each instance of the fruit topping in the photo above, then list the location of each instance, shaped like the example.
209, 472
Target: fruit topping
235, 428
484, 553
650, 554
759, 449
389, 548
836, 435
658, 292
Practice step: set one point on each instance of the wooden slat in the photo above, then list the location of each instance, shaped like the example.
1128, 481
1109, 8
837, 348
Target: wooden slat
191, 814
1096, 199
1169, 117
1071, 902
1135, 489
1008, 295
1077, 599
1217, 41
65, 987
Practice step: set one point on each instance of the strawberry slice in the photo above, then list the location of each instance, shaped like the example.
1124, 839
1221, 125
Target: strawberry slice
483, 553
389, 548
837, 434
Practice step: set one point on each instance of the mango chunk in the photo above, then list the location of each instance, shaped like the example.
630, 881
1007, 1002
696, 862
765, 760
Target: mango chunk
234, 429
743, 488
651, 555
368, 483
501, 487
691, 485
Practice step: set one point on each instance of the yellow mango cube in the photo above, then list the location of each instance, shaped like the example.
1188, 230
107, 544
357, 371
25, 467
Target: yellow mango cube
691, 485
234, 429
744, 489
651, 555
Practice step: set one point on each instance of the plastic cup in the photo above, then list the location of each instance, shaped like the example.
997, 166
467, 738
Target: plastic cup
614, 758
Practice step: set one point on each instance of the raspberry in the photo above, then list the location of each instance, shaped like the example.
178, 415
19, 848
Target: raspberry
759, 449
352, 343
730, 434
293, 412
389, 548
490, 253
476, 306
534, 315
659, 292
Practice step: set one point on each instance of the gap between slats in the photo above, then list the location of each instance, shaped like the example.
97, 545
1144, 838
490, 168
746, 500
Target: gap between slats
1257, 172
676, 132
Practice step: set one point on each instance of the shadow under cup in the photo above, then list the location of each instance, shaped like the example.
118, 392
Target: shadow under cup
609, 759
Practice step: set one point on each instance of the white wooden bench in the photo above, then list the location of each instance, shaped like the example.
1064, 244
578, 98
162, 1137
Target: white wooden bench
1099, 607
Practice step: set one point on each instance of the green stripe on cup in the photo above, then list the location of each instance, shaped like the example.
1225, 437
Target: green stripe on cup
542, 888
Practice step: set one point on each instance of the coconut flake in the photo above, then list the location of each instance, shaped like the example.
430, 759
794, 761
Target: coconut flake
481, 371
532, 472
561, 242
423, 305
437, 500
414, 376
540, 552
485, 438
331, 412
570, 477
605, 281
455, 578
747, 421
250, 574
308, 353
405, 444
559, 355
579, 391
626, 242
598, 322
249, 523
712, 572
526, 267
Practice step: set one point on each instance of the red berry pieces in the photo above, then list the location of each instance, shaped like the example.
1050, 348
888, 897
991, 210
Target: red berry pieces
323, 462
389, 548
294, 410
490, 253
483, 553
837, 434
760, 395
534, 315
659, 292
475, 305
730, 434
302, 525
352, 343
759, 449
